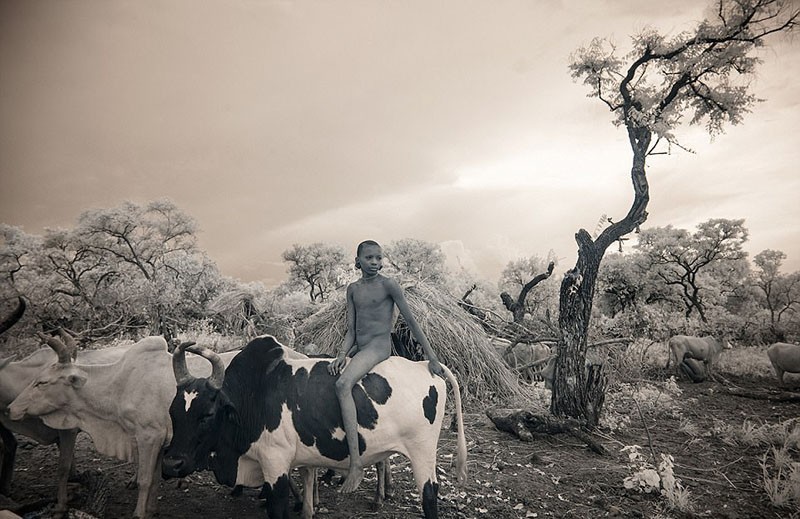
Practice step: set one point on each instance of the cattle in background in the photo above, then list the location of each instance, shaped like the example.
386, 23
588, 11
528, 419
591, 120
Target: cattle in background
785, 358
271, 411
528, 359
704, 349
123, 406
14, 378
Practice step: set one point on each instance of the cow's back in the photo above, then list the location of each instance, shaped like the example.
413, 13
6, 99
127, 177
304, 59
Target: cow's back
785, 356
700, 348
399, 402
283, 398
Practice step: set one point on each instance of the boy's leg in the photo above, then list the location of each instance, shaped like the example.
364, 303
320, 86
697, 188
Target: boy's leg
360, 365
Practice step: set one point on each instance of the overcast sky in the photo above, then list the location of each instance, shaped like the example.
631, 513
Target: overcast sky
280, 122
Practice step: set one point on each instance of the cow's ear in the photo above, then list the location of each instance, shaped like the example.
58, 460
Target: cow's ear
230, 415
76, 380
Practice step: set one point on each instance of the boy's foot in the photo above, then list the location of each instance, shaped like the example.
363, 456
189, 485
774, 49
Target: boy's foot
354, 477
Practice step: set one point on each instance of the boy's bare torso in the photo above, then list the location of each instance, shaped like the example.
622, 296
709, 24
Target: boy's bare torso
374, 308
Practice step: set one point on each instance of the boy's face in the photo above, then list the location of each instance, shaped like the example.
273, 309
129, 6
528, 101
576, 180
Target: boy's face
370, 259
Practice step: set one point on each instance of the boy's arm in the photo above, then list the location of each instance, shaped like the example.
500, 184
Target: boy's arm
349, 340
350, 335
402, 305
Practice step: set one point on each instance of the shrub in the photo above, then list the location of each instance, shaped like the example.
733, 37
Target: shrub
647, 478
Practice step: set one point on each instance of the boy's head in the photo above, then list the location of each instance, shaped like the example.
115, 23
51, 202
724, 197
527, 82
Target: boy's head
367, 247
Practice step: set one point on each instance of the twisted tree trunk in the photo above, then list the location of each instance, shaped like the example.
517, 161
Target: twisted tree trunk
579, 390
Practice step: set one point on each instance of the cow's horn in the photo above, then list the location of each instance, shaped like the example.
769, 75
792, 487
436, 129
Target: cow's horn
15, 316
182, 375
69, 340
61, 349
218, 368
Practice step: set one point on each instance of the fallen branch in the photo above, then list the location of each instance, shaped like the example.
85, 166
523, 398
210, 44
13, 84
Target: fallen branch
783, 396
523, 424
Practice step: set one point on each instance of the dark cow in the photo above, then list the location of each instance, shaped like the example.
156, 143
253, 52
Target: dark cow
7, 441
695, 370
274, 409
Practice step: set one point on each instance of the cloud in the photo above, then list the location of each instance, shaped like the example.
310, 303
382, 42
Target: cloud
275, 123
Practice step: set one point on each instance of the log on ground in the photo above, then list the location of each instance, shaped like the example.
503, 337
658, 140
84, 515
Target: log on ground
524, 424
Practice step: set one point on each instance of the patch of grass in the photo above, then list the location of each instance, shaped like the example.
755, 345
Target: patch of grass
750, 361
749, 434
781, 478
656, 399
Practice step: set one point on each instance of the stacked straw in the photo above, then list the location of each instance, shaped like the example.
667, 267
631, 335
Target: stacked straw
457, 339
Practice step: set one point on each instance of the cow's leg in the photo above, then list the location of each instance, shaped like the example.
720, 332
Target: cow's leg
779, 373
9, 455
309, 476
384, 488
423, 463
380, 488
316, 487
66, 454
149, 449
276, 492
388, 483
152, 497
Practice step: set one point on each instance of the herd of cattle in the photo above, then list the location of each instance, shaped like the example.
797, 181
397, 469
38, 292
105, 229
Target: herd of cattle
252, 415
693, 357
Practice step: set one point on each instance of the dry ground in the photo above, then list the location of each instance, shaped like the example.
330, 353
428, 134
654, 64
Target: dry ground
552, 476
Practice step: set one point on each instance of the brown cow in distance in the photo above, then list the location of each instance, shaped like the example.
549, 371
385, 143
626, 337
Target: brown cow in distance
704, 349
785, 358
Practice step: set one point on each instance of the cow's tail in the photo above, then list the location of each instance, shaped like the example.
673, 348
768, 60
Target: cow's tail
461, 449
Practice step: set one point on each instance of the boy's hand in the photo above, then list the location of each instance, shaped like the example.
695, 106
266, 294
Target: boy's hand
337, 365
435, 368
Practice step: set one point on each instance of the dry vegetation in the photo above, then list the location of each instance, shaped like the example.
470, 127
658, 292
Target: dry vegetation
675, 449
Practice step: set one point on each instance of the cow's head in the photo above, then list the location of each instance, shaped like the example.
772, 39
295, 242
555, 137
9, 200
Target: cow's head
198, 413
53, 389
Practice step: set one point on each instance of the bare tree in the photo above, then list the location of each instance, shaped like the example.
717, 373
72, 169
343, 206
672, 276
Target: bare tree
319, 266
650, 91
780, 292
680, 259
517, 306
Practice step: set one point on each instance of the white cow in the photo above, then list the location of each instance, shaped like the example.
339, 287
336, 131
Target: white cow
705, 349
785, 358
123, 406
14, 378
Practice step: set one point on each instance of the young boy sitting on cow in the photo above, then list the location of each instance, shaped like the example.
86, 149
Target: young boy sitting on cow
370, 317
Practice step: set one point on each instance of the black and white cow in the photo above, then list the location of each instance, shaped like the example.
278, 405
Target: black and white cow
273, 409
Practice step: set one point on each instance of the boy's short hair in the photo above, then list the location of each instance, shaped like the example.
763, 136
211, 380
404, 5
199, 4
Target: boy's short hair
364, 244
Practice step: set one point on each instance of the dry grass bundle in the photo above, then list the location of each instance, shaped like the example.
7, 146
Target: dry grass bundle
457, 339
235, 311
